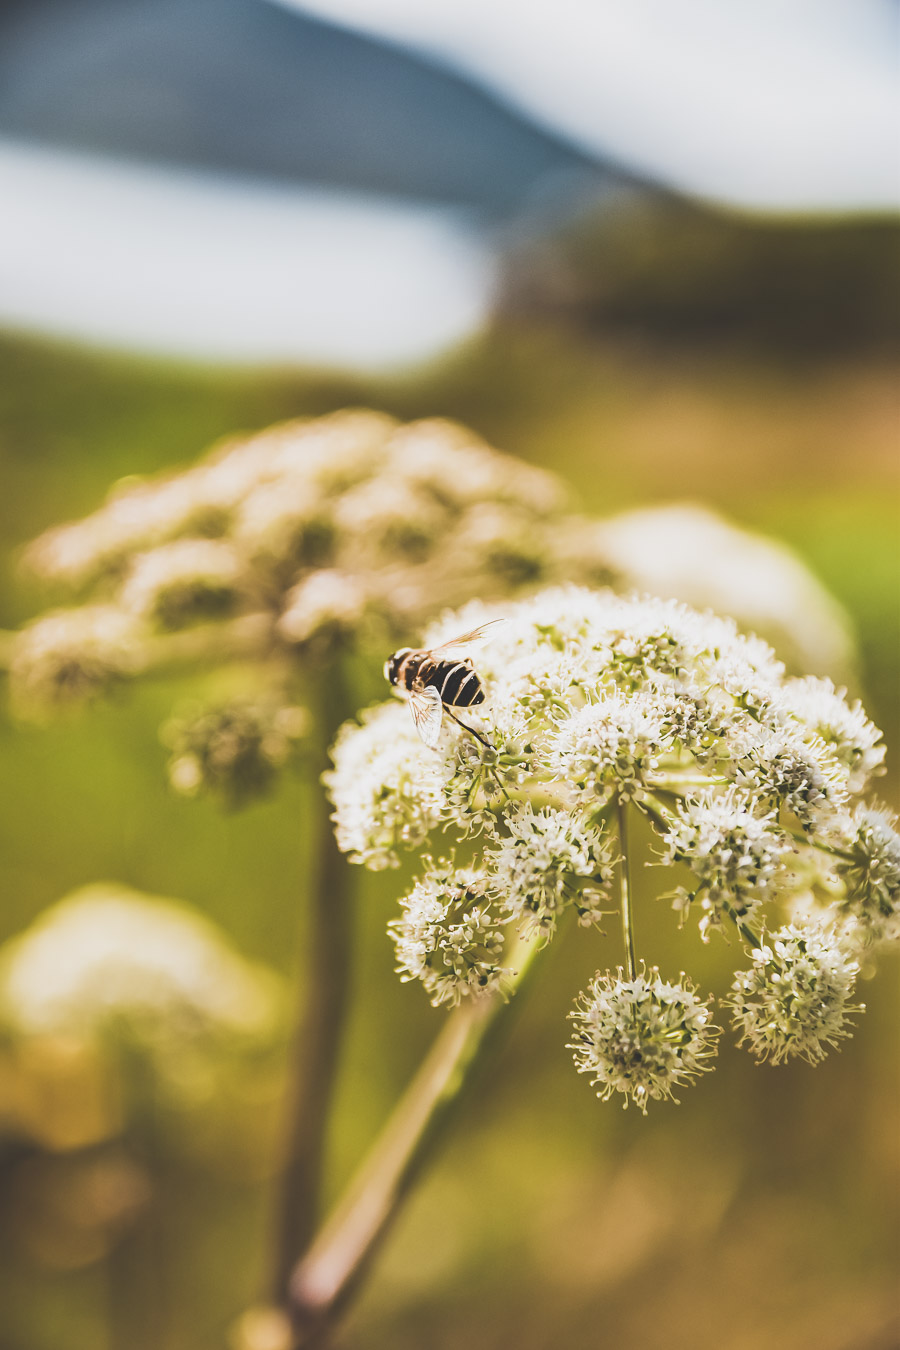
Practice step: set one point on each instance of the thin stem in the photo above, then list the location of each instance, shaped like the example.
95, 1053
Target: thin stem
746, 933
625, 890
679, 784
820, 845
656, 812
313, 1074
328, 1275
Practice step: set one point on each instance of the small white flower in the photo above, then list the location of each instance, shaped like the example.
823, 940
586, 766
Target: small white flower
449, 936
234, 748
481, 774
328, 606
109, 959
285, 525
794, 1001
549, 861
698, 717
389, 519
643, 1037
787, 769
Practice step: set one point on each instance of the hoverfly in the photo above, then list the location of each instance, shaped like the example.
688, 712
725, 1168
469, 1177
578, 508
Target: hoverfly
433, 681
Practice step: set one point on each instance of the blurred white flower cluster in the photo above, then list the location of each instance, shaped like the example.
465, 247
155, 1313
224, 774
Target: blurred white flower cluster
324, 526
108, 966
293, 545
234, 748
598, 709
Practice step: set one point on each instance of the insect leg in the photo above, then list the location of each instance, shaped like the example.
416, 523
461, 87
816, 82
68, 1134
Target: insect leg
466, 727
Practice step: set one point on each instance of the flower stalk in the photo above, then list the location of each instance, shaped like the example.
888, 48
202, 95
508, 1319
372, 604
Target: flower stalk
315, 1059
625, 890
325, 1279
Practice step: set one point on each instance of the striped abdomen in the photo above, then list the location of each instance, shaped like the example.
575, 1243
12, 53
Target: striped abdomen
457, 683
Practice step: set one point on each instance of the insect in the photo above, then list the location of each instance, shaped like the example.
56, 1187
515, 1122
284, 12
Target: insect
440, 678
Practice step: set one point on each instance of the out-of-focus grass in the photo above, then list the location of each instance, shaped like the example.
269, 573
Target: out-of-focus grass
759, 1212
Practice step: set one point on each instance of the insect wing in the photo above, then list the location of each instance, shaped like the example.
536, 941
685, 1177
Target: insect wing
427, 713
476, 638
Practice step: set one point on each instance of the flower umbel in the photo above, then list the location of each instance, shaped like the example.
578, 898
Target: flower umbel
598, 711
550, 861
107, 961
450, 936
72, 655
643, 1037
733, 849
235, 748
795, 999
869, 866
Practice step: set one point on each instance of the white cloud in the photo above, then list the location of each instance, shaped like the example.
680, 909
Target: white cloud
771, 104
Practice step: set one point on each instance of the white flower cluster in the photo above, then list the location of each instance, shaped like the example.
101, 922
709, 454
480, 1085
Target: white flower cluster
107, 962
642, 1037
183, 582
546, 862
794, 1001
396, 800
73, 655
610, 747
234, 748
869, 867
449, 936
734, 850
599, 708
338, 527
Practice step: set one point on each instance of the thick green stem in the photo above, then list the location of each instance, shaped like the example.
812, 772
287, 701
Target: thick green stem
313, 1072
625, 890
328, 1275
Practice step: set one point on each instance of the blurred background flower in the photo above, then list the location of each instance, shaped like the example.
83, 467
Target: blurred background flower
138, 1055
647, 247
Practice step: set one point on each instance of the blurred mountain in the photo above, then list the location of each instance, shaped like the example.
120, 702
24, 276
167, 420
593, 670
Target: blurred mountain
243, 86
